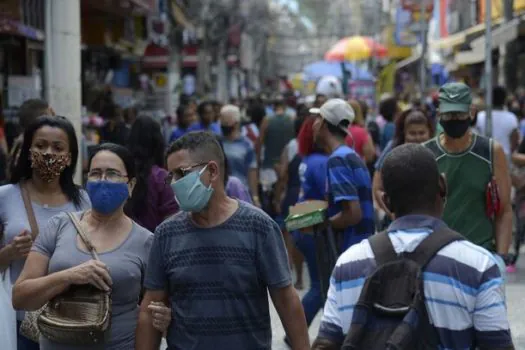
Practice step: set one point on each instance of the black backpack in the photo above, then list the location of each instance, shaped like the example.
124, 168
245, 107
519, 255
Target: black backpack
390, 313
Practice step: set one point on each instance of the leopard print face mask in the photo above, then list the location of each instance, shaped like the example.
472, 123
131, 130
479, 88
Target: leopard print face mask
49, 166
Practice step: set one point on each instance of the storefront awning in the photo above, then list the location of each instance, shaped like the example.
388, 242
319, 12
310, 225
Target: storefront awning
408, 61
457, 39
502, 35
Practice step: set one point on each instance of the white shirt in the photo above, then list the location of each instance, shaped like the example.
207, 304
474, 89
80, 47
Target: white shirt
503, 124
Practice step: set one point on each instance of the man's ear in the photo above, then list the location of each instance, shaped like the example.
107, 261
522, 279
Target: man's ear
386, 201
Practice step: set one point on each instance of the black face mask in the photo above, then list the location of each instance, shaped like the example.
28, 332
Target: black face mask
227, 130
455, 128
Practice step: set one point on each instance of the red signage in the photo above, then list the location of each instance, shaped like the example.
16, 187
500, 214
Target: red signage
415, 5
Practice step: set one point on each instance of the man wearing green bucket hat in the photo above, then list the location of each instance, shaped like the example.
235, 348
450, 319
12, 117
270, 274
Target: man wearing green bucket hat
478, 202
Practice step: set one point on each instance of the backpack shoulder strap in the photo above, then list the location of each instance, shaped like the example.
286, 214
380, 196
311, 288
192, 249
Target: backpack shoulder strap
433, 244
382, 247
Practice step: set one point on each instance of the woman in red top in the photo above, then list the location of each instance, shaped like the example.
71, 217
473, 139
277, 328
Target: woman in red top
358, 138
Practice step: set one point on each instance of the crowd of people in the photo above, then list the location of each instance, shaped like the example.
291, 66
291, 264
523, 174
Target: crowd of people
188, 218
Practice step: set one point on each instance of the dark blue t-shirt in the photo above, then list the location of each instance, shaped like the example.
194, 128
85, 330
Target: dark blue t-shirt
178, 132
218, 278
213, 127
312, 172
349, 180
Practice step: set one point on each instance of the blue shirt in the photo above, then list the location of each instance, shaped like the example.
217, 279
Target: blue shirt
312, 172
388, 134
463, 288
213, 127
179, 132
241, 157
349, 180
389, 147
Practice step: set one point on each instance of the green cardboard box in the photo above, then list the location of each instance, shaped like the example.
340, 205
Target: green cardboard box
306, 214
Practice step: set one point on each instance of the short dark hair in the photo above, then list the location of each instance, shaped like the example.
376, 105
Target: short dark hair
257, 112
203, 146
410, 179
23, 170
499, 95
202, 106
388, 108
30, 110
336, 130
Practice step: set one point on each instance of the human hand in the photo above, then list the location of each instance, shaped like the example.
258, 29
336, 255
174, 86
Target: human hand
161, 316
92, 272
21, 245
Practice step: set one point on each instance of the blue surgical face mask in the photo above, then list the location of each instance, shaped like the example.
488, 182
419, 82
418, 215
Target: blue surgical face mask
106, 197
190, 192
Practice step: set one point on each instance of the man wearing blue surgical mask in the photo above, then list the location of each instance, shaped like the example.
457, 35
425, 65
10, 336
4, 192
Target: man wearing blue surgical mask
215, 261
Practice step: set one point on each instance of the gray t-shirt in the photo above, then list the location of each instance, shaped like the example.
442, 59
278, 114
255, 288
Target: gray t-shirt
126, 264
13, 215
217, 279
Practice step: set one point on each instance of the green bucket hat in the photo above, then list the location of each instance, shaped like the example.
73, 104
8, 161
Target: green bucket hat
454, 97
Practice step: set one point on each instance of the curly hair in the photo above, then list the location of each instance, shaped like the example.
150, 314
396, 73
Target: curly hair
411, 116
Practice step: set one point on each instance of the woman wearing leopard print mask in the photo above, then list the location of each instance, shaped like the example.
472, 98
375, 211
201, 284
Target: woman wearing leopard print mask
44, 172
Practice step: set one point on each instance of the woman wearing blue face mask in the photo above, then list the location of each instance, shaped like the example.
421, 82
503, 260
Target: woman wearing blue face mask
59, 258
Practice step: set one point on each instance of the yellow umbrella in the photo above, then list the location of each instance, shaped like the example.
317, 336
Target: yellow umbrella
355, 48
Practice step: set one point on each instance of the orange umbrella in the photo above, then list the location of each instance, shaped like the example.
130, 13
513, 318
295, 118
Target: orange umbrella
355, 48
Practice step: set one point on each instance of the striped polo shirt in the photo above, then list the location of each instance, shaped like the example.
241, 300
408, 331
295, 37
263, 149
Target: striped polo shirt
349, 180
463, 288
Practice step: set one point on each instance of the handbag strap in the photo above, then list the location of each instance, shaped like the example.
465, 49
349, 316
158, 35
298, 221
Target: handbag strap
29, 211
83, 236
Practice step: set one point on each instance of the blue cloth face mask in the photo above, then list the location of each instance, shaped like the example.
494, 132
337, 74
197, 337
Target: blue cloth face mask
106, 196
190, 192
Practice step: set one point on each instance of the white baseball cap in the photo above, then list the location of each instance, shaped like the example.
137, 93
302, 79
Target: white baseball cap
338, 112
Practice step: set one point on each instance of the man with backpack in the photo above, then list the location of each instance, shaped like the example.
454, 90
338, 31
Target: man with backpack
377, 299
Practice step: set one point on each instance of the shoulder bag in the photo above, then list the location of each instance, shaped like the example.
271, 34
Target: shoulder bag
28, 327
82, 314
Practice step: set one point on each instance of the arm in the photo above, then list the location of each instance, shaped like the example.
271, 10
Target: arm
147, 337
33, 288
253, 174
274, 270
369, 150
514, 140
349, 216
503, 221
282, 179
156, 285
290, 310
260, 141
490, 321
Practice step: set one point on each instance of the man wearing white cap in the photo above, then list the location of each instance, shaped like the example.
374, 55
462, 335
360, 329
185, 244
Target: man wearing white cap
349, 187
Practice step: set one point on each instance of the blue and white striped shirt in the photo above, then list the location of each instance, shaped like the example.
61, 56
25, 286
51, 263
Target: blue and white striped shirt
463, 288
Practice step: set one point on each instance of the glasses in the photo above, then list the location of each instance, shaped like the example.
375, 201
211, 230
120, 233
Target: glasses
109, 175
179, 173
